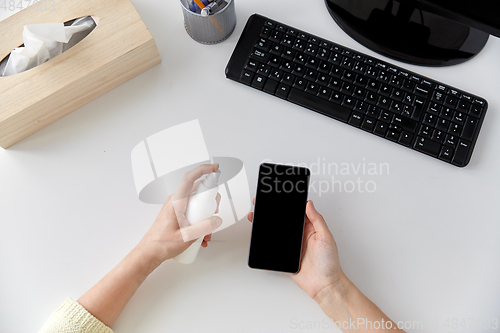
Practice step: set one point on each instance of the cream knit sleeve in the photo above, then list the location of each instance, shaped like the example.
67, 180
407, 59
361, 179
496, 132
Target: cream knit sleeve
71, 317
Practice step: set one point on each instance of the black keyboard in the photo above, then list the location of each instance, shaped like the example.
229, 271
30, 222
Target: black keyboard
365, 92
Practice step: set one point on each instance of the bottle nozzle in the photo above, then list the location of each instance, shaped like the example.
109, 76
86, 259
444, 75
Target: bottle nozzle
212, 179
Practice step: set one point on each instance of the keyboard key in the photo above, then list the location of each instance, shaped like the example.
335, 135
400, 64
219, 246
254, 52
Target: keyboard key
336, 98
368, 124
419, 107
288, 53
405, 123
319, 105
359, 93
463, 106
283, 91
288, 79
300, 58
385, 116
252, 65
469, 128
263, 44
442, 124
259, 55
265, 32
356, 119
408, 86
312, 62
421, 91
425, 131
298, 70
455, 129
461, 153
259, 81
458, 117
450, 141
311, 75
393, 135
312, 88
383, 102
429, 119
247, 77
446, 113
381, 128
300, 83
373, 111
324, 67
407, 111
276, 74
450, 101
323, 79
397, 95
347, 88
438, 136
433, 108
427, 146
361, 80
438, 97
324, 93
349, 102
475, 110
276, 36
371, 98
335, 84
335, 58
274, 61
396, 107
405, 138
446, 153
271, 86
361, 106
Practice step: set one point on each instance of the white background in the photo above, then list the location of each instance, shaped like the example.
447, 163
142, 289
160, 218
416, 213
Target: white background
424, 246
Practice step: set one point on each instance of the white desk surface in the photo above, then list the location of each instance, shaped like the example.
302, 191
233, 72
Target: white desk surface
424, 246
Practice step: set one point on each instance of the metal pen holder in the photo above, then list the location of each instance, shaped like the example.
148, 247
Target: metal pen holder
211, 29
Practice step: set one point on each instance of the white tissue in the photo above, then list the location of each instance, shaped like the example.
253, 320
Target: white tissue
43, 42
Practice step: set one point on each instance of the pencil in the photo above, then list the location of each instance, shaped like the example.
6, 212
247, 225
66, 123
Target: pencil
212, 19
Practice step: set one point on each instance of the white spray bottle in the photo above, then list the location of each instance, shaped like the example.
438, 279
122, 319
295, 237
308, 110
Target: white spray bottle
201, 206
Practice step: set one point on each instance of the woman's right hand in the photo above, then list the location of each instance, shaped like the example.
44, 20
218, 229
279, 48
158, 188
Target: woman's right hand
320, 269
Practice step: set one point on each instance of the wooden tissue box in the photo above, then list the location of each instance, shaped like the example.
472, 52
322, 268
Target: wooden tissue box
119, 48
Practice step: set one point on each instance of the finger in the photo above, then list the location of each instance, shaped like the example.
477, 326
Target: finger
250, 216
195, 186
217, 198
201, 229
316, 218
204, 244
254, 201
207, 238
187, 182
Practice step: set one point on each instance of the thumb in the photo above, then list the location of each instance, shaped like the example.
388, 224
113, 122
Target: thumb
316, 219
201, 229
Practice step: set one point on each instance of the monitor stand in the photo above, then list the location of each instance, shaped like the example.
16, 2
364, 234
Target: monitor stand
406, 33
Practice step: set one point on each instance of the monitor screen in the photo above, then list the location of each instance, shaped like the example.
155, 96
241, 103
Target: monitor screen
480, 14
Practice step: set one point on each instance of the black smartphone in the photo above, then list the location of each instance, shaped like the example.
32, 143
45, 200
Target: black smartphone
278, 221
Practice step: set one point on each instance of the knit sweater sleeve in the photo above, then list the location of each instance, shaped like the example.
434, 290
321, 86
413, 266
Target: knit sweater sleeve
71, 317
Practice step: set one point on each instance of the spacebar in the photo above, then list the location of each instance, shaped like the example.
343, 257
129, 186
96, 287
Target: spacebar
319, 105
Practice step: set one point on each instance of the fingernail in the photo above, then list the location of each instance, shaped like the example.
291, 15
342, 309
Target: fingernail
215, 166
218, 221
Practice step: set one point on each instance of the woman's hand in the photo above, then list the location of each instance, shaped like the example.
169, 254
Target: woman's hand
320, 266
171, 234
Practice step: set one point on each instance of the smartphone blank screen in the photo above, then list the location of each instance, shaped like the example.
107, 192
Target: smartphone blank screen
278, 222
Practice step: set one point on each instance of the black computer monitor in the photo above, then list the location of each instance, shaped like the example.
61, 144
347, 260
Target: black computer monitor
422, 32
